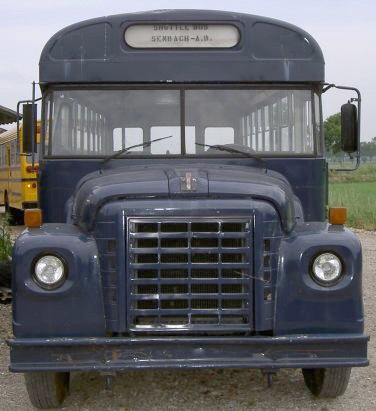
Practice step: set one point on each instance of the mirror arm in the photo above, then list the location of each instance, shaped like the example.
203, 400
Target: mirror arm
358, 100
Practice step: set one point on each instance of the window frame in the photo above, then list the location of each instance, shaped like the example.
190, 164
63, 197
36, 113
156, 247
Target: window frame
314, 88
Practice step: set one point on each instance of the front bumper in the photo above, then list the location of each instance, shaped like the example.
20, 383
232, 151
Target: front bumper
119, 354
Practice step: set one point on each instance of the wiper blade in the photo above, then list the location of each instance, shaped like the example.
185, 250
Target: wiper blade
128, 149
230, 149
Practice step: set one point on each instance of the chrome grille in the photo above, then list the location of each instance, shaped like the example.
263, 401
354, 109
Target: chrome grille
189, 275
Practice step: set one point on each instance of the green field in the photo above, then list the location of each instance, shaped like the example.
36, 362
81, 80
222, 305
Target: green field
355, 190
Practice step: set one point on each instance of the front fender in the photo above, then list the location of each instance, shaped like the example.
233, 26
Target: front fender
75, 308
303, 306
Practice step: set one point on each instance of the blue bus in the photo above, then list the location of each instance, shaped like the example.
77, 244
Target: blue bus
183, 219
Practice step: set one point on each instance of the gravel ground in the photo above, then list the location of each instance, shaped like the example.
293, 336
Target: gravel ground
206, 389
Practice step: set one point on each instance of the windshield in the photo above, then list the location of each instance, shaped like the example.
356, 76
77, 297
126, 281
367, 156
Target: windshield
102, 122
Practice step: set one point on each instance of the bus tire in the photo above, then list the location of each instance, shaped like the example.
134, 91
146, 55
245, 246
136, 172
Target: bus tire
47, 389
326, 382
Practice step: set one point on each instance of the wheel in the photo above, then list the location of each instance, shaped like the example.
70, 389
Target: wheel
47, 389
326, 382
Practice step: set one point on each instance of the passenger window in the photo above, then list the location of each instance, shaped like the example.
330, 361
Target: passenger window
13, 153
65, 127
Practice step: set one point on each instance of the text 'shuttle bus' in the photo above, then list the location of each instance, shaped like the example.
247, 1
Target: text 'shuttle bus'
183, 191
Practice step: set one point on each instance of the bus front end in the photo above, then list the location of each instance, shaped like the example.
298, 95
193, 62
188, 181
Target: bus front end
184, 208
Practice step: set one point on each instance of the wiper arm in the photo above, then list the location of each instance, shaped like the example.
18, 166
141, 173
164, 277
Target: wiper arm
229, 149
128, 149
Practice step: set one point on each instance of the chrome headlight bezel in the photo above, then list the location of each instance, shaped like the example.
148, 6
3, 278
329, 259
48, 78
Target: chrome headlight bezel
316, 278
41, 283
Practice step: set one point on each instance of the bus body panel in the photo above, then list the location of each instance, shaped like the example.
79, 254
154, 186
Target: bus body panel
95, 51
308, 178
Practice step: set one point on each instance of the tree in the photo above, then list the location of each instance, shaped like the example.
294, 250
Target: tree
332, 133
368, 148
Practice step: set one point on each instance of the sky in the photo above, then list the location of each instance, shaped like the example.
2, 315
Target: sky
345, 30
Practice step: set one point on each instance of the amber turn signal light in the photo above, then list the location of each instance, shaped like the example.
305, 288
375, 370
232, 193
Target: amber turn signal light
337, 215
33, 217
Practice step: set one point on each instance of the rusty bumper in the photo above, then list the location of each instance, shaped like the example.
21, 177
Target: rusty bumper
118, 353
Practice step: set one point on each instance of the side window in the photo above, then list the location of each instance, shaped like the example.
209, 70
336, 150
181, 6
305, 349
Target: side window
13, 154
17, 151
308, 144
248, 130
254, 139
267, 129
283, 124
65, 128
77, 129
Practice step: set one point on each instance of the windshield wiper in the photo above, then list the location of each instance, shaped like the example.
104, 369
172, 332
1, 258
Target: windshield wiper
230, 149
128, 149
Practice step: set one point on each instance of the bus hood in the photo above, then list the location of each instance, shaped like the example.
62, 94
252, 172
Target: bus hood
188, 181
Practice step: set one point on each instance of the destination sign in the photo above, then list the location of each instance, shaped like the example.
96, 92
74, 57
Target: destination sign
172, 35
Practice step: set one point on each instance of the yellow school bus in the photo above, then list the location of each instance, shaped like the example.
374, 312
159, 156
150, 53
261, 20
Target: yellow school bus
18, 180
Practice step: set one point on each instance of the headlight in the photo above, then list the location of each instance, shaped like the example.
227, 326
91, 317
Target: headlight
326, 268
49, 271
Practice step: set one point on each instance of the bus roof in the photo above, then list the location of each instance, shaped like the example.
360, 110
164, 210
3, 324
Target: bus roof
7, 115
8, 135
95, 51
11, 134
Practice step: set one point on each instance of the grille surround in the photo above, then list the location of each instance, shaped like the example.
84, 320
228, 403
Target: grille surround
200, 285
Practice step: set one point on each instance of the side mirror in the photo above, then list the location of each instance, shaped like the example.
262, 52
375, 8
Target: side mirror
349, 128
27, 128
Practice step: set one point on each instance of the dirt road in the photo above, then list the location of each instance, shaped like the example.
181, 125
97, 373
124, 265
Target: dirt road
208, 389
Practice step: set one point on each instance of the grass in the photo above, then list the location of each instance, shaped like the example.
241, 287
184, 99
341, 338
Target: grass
356, 191
366, 172
5, 239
